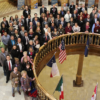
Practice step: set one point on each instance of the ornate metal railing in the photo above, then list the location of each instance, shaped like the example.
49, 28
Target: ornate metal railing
74, 39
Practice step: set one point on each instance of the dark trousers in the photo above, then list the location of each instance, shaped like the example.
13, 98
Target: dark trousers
26, 47
8, 75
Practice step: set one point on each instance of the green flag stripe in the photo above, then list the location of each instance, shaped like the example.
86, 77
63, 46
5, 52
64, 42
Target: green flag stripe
58, 88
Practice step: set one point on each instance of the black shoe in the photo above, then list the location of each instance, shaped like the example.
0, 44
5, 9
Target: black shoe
13, 95
19, 92
6, 81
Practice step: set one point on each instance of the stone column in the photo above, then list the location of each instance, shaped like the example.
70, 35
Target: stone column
79, 81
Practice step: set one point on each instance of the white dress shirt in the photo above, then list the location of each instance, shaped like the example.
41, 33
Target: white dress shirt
20, 46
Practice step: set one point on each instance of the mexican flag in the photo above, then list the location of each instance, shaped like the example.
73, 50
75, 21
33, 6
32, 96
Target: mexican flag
94, 93
60, 89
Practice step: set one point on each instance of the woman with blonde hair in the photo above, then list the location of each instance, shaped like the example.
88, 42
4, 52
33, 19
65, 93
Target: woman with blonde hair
26, 56
25, 84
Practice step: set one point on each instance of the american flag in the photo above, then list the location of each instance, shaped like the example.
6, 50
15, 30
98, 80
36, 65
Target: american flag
62, 55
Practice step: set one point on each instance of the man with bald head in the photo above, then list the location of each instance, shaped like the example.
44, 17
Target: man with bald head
43, 10
53, 10
3, 55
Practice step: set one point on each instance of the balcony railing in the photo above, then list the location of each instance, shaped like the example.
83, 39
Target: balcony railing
74, 42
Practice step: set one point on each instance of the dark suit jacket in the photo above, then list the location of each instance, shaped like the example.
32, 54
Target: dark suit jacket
34, 23
25, 14
44, 39
22, 47
6, 25
54, 13
81, 9
93, 21
15, 53
2, 57
64, 24
5, 65
92, 16
19, 36
10, 45
84, 28
24, 41
72, 8
75, 18
37, 19
62, 13
41, 11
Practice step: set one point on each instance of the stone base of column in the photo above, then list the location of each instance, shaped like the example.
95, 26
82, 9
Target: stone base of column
77, 85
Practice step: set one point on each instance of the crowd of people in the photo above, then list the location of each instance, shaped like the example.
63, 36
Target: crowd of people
23, 36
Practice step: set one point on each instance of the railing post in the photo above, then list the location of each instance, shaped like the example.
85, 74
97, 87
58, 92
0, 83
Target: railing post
79, 82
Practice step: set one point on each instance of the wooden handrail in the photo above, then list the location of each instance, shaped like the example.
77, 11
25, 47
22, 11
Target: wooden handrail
73, 39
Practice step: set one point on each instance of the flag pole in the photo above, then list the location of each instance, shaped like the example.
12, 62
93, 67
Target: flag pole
96, 91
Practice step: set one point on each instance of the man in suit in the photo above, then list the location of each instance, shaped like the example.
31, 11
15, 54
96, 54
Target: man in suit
45, 22
92, 14
77, 9
17, 35
72, 7
23, 20
43, 10
28, 20
66, 8
5, 22
62, 22
98, 15
35, 21
35, 16
95, 19
20, 24
15, 80
20, 47
3, 55
31, 26
25, 41
62, 12
26, 12
53, 10
11, 42
75, 15
45, 38
83, 8
8, 67
57, 21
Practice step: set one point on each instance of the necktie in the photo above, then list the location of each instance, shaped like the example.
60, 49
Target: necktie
20, 25
9, 66
69, 16
46, 38
53, 10
28, 21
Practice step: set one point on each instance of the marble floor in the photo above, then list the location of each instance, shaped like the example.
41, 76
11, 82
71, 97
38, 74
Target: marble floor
90, 76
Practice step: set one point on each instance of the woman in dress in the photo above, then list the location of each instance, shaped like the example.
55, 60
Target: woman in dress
25, 84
